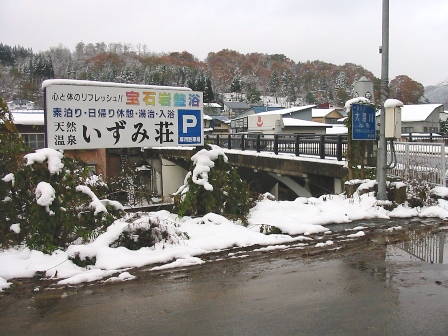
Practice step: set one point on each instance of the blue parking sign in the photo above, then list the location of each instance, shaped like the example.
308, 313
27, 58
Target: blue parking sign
363, 122
190, 127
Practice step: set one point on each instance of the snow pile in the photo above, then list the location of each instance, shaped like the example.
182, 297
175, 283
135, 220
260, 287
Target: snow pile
52, 156
45, 195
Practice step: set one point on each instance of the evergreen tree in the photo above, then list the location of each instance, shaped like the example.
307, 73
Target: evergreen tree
310, 98
209, 96
236, 85
274, 83
24, 219
223, 191
11, 143
253, 96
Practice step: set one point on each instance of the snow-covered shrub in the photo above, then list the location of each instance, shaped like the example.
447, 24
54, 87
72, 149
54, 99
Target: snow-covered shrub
46, 206
419, 193
212, 185
147, 231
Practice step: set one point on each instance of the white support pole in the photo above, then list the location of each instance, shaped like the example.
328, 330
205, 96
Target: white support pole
442, 165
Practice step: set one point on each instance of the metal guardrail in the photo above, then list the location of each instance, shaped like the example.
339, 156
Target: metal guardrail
322, 146
421, 161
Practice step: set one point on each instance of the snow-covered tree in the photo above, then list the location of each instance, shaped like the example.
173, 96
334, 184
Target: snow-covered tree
212, 185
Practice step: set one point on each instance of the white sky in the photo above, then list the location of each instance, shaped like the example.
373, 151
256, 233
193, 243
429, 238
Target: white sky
334, 31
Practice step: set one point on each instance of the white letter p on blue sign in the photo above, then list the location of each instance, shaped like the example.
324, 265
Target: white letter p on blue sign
190, 127
189, 121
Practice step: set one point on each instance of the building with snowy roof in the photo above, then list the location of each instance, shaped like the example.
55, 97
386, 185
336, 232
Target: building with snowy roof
20, 104
327, 115
234, 109
297, 112
212, 109
296, 119
422, 118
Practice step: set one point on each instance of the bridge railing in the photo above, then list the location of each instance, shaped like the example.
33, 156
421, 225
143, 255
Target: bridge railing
322, 146
421, 161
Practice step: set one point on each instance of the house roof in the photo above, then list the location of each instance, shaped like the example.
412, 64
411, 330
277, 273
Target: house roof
337, 129
303, 123
215, 105
20, 101
221, 118
237, 105
417, 112
206, 117
321, 113
288, 110
261, 109
28, 117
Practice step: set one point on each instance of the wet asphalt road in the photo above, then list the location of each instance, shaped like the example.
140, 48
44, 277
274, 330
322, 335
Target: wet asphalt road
369, 290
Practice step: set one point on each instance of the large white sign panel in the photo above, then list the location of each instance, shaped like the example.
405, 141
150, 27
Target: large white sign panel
86, 114
263, 122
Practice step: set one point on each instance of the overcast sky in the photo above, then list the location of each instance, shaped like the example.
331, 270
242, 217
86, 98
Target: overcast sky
333, 31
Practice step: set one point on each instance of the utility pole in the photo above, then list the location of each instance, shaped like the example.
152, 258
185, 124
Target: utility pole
381, 171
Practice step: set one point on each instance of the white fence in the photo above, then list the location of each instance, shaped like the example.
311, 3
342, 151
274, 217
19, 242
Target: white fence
419, 161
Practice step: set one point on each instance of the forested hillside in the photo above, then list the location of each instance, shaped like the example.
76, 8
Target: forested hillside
250, 75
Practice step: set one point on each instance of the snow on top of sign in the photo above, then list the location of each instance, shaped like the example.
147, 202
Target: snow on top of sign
393, 103
49, 82
357, 100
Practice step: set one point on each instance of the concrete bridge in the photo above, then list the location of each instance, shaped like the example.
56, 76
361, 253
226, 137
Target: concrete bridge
287, 176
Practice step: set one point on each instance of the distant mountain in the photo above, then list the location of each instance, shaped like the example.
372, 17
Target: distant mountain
437, 94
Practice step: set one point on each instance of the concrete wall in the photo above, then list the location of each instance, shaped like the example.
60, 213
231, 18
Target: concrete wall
172, 178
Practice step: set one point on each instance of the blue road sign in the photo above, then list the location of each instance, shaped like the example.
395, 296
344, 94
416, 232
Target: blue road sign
190, 127
363, 122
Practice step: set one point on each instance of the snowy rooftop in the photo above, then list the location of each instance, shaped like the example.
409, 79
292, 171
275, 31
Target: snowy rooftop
303, 123
417, 112
320, 113
337, 129
212, 105
207, 117
288, 110
28, 117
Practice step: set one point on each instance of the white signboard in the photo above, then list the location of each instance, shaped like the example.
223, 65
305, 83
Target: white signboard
263, 122
87, 114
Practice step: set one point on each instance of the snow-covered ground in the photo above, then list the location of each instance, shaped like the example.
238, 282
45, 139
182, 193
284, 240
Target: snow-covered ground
297, 220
